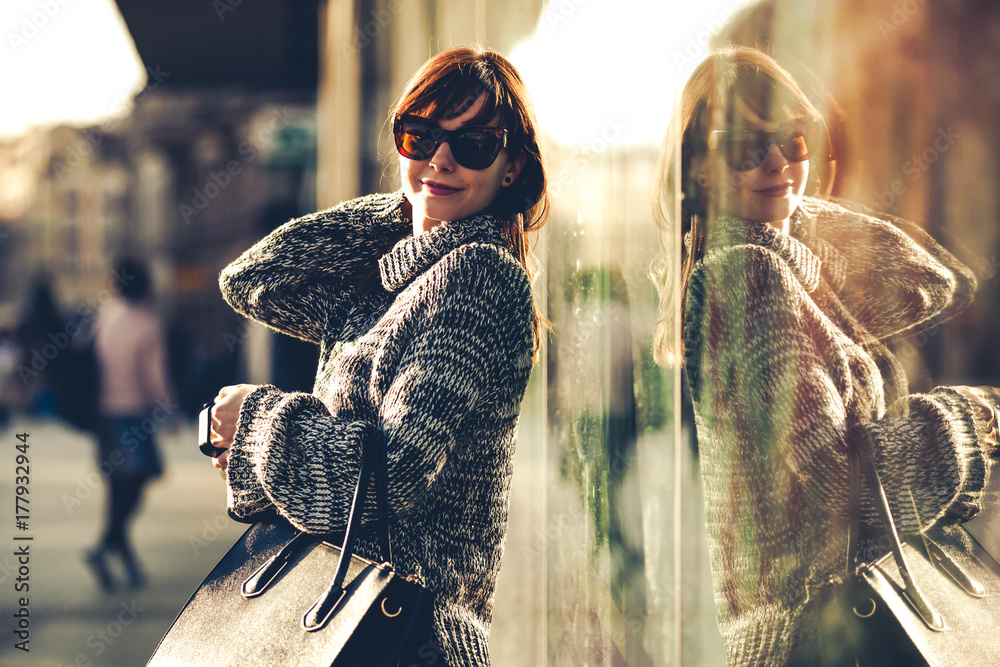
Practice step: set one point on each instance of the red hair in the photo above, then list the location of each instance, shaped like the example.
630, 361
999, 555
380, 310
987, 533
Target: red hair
451, 82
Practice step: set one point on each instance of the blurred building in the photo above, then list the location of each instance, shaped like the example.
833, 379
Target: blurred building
186, 181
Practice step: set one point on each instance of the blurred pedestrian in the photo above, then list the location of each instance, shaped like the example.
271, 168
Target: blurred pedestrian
9, 355
130, 351
39, 322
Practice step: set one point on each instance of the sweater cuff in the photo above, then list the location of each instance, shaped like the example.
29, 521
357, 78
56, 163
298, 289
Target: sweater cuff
246, 496
461, 636
973, 455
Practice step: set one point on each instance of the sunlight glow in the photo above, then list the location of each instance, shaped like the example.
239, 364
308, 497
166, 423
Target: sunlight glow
64, 61
607, 69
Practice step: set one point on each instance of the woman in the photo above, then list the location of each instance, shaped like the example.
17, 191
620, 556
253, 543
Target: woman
421, 303
131, 361
788, 301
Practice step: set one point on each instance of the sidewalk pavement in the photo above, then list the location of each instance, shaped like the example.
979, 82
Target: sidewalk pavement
179, 534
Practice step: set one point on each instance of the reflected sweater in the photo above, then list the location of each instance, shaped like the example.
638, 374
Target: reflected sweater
785, 352
437, 354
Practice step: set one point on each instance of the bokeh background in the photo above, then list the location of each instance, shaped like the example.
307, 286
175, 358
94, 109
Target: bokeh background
182, 132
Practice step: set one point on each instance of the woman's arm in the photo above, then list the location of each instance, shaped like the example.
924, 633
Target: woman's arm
934, 452
302, 274
898, 278
471, 339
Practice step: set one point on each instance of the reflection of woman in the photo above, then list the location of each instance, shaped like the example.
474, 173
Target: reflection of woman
421, 303
787, 302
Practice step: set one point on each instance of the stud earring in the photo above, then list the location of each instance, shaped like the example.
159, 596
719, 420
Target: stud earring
508, 180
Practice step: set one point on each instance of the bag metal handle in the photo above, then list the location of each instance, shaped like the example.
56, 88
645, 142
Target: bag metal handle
265, 575
861, 448
373, 464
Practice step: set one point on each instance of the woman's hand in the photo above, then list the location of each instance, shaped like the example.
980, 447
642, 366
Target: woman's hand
225, 414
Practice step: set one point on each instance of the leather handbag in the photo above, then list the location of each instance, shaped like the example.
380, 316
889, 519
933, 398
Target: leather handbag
270, 600
932, 600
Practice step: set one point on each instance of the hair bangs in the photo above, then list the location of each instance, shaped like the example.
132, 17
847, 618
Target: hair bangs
453, 93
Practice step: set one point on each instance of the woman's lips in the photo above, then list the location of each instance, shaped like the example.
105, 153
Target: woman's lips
777, 190
440, 189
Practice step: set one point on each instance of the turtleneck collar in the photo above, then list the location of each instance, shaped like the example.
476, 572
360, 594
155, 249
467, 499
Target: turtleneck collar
413, 255
730, 230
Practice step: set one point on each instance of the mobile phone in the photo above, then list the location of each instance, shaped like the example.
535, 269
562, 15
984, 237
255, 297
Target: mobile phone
205, 432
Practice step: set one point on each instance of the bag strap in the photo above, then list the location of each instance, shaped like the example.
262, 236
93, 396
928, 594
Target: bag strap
373, 464
859, 455
374, 461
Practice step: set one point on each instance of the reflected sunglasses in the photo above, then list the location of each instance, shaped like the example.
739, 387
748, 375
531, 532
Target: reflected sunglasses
744, 149
474, 147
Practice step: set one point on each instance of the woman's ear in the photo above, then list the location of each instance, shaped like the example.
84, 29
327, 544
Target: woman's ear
514, 169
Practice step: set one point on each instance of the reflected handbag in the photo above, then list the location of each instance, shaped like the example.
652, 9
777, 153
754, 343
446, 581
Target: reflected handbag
878, 615
270, 600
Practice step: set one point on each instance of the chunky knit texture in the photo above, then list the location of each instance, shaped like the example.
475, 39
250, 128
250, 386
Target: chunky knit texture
786, 356
437, 354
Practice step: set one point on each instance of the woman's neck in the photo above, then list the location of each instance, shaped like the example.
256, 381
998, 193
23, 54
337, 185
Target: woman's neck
782, 225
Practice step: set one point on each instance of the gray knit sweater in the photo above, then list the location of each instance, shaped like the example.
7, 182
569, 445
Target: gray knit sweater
784, 348
437, 354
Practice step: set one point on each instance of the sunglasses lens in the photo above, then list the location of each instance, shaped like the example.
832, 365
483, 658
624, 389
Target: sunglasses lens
475, 149
415, 140
746, 150
795, 148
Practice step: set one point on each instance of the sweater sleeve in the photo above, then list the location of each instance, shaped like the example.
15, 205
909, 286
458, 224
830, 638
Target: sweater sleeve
301, 275
898, 278
471, 337
934, 453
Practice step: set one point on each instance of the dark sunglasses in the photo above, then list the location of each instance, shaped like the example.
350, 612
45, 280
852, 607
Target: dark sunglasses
744, 149
473, 147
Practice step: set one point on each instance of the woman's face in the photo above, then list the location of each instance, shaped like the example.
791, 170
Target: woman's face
769, 192
439, 189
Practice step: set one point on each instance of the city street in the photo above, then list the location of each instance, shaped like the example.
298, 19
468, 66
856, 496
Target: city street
181, 532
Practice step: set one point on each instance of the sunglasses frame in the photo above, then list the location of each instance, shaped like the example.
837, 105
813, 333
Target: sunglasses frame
441, 135
777, 138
